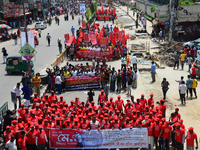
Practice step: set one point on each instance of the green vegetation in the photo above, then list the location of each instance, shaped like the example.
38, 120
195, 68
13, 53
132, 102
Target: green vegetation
91, 20
148, 17
153, 8
93, 7
87, 14
187, 2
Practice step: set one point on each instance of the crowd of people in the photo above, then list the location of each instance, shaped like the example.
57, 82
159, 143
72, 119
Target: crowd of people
31, 128
106, 15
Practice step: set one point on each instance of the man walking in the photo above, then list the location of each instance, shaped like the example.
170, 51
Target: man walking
182, 89
48, 39
194, 71
182, 58
130, 80
189, 62
17, 90
165, 86
106, 90
72, 30
59, 83
5, 54
11, 144
190, 137
36, 81
123, 63
27, 93
15, 38
153, 71
176, 63
189, 82
194, 86
134, 62
119, 81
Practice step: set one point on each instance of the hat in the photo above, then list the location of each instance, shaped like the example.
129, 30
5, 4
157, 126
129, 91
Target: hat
45, 120
142, 95
19, 117
22, 105
35, 93
72, 101
195, 65
33, 112
167, 122
176, 108
128, 100
146, 117
76, 97
14, 121
102, 91
190, 128
119, 96
40, 127
7, 127
26, 108
92, 102
111, 97
147, 106
162, 100
61, 96
52, 91
157, 107
46, 95
151, 94
181, 121
163, 119
31, 126
157, 119
178, 124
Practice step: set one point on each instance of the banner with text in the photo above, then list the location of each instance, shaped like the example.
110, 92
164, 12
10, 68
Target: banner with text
90, 54
94, 139
82, 82
82, 9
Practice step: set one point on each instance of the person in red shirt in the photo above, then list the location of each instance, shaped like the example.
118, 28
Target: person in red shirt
41, 139
182, 125
106, 124
84, 124
151, 100
129, 110
102, 97
138, 106
8, 133
192, 52
177, 114
190, 137
36, 98
162, 107
143, 101
68, 124
58, 124
76, 125
119, 103
166, 132
52, 97
22, 141
149, 126
31, 134
156, 132
179, 136
111, 102
194, 71
116, 124
126, 123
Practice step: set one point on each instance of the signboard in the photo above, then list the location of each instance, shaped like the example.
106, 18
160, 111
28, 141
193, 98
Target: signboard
86, 37
83, 25
82, 9
94, 139
30, 39
103, 41
163, 18
66, 36
27, 52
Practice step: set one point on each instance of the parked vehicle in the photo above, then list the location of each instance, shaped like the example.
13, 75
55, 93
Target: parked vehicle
40, 25
196, 43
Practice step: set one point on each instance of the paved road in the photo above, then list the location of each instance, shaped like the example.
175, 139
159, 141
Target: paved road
45, 55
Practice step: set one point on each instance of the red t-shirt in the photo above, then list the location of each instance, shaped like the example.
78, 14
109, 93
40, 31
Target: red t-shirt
76, 126
138, 106
194, 70
157, 129
166, 131
116, 125
162, 108
150, 101
22, 142
150, 130
8, 137
119, 104
41, 137
106, 125
143, 102
102, 97
128, 111
31, 137
68, 126
127, 125
192, 52
190, 138
179, 135
84, 125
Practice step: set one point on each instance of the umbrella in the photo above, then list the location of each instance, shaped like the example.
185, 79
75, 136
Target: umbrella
33, 31
3, 26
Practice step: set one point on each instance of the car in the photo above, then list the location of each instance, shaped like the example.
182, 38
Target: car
190, 43
40, 25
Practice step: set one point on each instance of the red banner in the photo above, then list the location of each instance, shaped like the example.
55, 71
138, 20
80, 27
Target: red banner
120, 35
93, 38
104, 41
116, 36
70, 41
86, 37
66, 36
89, 54
82, 82
83, 25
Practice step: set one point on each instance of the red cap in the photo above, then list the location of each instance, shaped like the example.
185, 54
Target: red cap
7, 127
111, 97
92, 102
19, 117
162, 100
157, 119
40, 127
72, 101
119, 96
163, 119
178, 124
45, 120
106, 118
76, 97
14, 121
190, 128
151, 94
195, 65
142, 94
35, 93
26, 108
176, 108
22, 104
61, 96
128, 100
157, 107
146, 117
102, 91
167, 122
181, 121
52, 91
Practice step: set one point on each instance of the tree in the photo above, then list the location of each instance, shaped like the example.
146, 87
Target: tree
88, 14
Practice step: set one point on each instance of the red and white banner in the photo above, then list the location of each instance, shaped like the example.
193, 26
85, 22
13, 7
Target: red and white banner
116, 36
104, 41
70, 41
93, 38
94, 139
90, 54
82, 82
66, 36
86, 37
83, 25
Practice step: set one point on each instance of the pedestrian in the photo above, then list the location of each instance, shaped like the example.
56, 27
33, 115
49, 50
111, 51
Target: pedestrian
182, 89
134, 84
119, 81
22, 141
59, 83
160, 35
153, 71
31, 135
165, 86
11, 144
48, 39
72, 30
17, 90
8, 118
91, 94
189, 82
134, 62
157, 126
79, 21
124, 79
194, 71
41, 139
182, 58
177, 58
36, 81
58, 21
5, 54
192, 52
180, 81
198, 54
15, 38
189, 62
112, 81
72, 52
123, 63
53, 80
60, 47
27, 93
130, 80
39, 33
194, 86
179, 136
136, 23
106, 90
190, 137
102, 79
104, 60
166, 132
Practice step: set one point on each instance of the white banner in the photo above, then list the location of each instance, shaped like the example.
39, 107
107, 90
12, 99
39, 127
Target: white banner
82, 9
30, 39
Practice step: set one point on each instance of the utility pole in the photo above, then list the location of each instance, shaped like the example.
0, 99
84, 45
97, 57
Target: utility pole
172, 10
145, 15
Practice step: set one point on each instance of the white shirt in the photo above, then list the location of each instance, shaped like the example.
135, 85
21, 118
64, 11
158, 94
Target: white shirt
17, 91
182, 88
134, 60
198, 54
58, 80
94, 126
74, 73
160, 33
135, 77
11, 145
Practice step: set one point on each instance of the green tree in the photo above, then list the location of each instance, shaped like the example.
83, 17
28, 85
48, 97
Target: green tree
88, 13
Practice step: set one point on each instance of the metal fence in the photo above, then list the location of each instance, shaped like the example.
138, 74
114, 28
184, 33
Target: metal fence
59, 59
3, 109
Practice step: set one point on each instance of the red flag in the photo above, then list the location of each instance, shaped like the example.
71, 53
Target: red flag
81, 36
127, 37
66, 36
83, 24
116, 36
